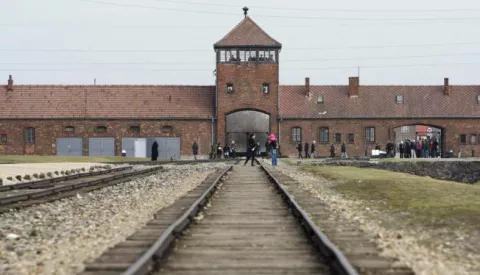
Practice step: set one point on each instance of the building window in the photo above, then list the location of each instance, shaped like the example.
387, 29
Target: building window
473, 139
405, 129
399, 99
320, 99
478, 99
229, 88
30, 135
135, 129
351, 138
370, 134
265, 88
323, 135
463, 139
296, 135
70, 129
338, 138
101, 129
263, 56
3, 138
167, 129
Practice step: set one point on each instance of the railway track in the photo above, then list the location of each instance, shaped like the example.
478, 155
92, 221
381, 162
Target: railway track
38, 192
234, 222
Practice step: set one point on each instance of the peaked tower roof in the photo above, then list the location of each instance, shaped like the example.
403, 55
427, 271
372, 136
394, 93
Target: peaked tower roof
247, 34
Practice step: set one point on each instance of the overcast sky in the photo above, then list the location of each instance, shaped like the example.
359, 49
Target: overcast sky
168, 42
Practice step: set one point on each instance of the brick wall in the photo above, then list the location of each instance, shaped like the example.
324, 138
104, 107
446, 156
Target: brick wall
247, 80
384, 131
46, 132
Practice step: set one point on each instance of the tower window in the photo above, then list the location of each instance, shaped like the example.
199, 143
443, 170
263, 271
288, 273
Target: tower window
265, 88
229, 88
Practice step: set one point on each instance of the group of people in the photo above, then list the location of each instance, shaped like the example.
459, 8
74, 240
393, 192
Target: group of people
253, 147
422, 148
227, 151
310, 151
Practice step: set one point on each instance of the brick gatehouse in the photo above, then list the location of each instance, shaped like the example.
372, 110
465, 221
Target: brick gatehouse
103, 120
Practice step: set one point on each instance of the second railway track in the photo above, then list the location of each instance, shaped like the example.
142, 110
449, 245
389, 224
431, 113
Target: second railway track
239, 220
32, 193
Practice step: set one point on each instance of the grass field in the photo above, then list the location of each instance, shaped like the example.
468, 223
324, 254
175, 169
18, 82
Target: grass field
57, 159
418, 200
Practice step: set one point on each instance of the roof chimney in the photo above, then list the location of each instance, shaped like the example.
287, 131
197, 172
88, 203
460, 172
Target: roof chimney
353, 85
10, 83
307, 86
245, 11
446, 86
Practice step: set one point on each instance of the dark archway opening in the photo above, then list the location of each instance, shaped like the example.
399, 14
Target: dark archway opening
426, 141
240, 124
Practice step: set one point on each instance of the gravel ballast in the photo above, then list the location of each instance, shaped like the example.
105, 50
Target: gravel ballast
408, 248
59, 237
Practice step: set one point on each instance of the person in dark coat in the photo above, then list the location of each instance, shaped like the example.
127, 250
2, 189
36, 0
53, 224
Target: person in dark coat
307, 152
195, 150
299, 147
267, 149
332, 151
154, 151
343, 151
312, 150
401, 148
251, 146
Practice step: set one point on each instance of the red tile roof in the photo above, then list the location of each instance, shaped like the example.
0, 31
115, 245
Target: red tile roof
33, 101
247, 33
379, 102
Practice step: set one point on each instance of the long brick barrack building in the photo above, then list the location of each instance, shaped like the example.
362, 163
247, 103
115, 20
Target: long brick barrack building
247, 98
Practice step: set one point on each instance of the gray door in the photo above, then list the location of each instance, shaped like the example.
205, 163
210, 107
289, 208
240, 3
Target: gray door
70, 147
128, 144
167, 147
101, 147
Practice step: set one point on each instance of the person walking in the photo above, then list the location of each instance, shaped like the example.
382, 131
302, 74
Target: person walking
195, 150
267, 148
251, 146
233, 148
154, 151
299, 148
313, 153
332, 151
273, 149
343, 151
401, 148
219, 151
307, 151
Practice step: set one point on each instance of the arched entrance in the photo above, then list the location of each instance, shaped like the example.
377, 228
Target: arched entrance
422, 132
239, 124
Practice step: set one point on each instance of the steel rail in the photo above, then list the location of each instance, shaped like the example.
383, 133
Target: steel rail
335, 258
155, 253
58, 189
42, 183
